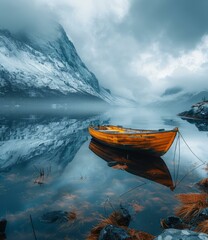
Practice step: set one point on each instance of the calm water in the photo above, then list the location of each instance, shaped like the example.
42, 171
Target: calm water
46, 165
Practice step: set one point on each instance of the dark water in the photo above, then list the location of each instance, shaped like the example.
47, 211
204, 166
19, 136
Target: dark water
46, 165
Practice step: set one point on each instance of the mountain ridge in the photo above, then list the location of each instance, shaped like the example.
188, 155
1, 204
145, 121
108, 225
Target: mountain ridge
33, 65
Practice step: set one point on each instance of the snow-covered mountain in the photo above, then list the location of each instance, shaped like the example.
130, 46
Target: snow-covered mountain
43, 64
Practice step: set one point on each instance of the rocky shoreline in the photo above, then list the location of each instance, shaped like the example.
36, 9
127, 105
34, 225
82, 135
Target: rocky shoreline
190, 221
198, 111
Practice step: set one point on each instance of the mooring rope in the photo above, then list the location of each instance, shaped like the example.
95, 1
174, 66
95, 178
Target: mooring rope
177, 182
188, 174
174, 158
190, 148
179, 158
132, 189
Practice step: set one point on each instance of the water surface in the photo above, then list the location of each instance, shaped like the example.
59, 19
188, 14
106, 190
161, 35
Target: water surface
46, 165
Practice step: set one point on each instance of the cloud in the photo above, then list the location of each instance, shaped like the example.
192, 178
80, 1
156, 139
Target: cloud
179, 24
92, 28
137, 49
28, 17
188, 70
89, 11
15, 15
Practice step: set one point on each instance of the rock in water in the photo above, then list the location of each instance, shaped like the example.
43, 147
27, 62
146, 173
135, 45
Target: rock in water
111, 232
198, 111
3, 223
175, 234
55, 216
199, 218
172, 222
203, 185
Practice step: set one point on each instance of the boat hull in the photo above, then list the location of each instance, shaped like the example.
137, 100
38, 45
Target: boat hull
154, 143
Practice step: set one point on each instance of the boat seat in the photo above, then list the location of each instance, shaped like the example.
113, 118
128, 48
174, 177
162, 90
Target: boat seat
109, 131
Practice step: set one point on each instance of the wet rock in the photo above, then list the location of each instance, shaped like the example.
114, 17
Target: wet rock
55, 216
111, 232
175, 234
202, 185
3, 236
172, 222
198, 111
202, 216
139, 235
3, 223
204, 213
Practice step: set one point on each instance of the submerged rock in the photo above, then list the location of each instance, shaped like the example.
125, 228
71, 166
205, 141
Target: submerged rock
203, 185
175, 234
111, 232
172, 222
55, 216
111, 227
3, 224
201, 217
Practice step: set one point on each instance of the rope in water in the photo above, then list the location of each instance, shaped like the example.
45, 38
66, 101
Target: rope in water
132, 189
179, 157
188, 174
174, 159
177, 182
190, 148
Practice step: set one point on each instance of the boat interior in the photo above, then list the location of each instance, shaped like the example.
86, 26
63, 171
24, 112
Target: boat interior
120, 129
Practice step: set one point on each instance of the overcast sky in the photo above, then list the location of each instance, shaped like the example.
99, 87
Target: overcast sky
139, 48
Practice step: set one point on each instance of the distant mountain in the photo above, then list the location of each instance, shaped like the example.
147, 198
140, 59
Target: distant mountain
40, 65
178, 99
172, 91
198, 97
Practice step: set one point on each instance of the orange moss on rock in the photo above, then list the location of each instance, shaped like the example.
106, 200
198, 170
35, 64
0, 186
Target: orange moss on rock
202, 227
113, 219
203, 185
191, 205
139, 235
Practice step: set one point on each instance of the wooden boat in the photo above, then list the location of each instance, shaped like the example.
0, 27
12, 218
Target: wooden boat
149, 167
153, 142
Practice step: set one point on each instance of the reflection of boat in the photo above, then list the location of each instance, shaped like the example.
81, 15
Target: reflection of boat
154, 142
149, 167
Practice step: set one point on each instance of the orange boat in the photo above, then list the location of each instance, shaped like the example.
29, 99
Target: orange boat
152, 142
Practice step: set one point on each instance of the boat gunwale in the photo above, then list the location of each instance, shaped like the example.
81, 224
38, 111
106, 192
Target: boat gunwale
136, 133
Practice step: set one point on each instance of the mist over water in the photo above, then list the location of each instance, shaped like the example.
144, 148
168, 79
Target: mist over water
55, 141
66, 106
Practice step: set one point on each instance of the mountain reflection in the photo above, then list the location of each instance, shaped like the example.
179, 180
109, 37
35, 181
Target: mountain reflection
51, 141
148, 167
202, 125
